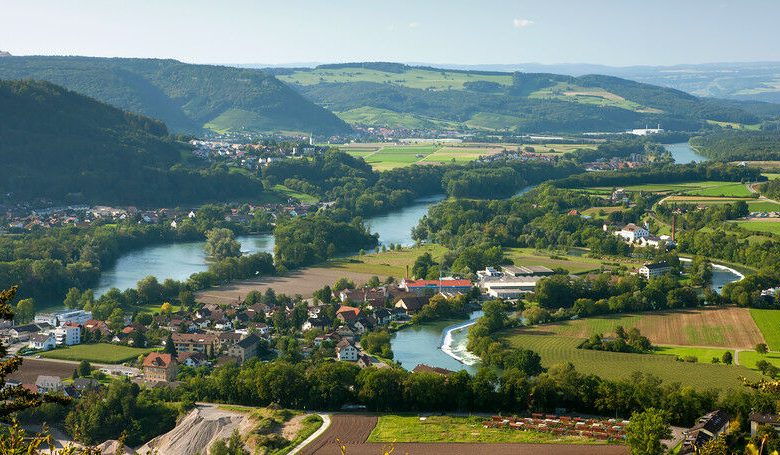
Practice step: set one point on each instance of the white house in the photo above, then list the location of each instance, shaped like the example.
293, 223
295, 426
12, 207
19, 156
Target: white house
46, 384
654, 269
43, 341
346, 351
631, 232
68, 334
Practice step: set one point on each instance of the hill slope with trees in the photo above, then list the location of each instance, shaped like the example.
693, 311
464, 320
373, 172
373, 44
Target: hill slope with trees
65, 147
186, 97
486, 100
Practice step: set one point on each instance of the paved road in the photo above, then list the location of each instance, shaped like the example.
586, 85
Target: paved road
315, 435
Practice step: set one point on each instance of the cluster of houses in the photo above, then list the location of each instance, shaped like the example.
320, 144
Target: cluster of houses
251, 155
634, 161
49, 330
54, 384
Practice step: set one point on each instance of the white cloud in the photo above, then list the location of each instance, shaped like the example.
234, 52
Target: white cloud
522, 23
414, 24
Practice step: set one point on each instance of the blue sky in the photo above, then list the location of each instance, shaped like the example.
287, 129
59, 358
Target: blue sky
612, 32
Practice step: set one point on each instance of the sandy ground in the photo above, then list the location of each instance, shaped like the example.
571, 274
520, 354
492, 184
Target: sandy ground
353, 430
303, 282
196, 432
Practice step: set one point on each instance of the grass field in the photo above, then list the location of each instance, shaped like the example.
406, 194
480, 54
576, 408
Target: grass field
768, 321
615, 365
708, 189
385, 157
493, 121
303, 197
771, 176
702, 354
404, 428
98, 353
772, 227
459, 154
763, 206
389, 263
588, 95
574, 263
374, 116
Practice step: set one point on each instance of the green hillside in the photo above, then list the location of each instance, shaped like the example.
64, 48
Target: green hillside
186, 97
65, 147
397, 95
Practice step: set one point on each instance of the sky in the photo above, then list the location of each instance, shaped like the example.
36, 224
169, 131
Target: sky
610, 32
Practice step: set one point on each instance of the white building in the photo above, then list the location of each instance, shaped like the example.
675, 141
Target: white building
631, 232
346, 351
61, 317
651, 270
43, 341
68, 334
509, 287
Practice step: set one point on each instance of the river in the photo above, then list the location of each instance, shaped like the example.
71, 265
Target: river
443, 344
683, 153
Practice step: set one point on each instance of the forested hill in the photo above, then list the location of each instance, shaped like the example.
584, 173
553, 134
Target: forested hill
396, 95
65, 147
186, 97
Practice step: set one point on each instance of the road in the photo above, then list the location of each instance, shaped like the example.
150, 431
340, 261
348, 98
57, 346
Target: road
315, 435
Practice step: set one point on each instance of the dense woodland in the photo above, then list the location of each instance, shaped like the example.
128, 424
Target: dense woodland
738, 145
65, 147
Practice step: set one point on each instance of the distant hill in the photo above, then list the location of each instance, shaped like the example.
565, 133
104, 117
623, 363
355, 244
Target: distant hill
188, 98
397, 95
61, 146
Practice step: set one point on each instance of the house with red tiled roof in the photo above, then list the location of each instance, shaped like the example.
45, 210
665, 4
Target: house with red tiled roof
347, 313
160, 367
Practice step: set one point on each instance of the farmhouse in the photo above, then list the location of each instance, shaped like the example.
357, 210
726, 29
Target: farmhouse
245, 349
654, 269
708, 427
160, 367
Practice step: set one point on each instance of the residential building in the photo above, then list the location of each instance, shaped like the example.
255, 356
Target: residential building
411, 303
757, 419
24, 332
708, 427
42, 341
160, 367
195, 342
245, 349
654, 269
68, 334
347, 314
346, 351
46, 384
430, 287
191, 359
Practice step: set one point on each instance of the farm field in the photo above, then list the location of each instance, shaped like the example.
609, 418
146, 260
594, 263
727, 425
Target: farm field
412, 78
390, 156
30, 370
771, 176
571, 262
772, 227
352, 432
556, 349
558, 148
768, 321
411, 428
588, 95
388, 263
595, 212
710, 188
459, 154
374, 116
712, 327
98, 353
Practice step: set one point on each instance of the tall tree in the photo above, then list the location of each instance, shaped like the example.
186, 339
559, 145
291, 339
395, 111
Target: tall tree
646, 430
221, 243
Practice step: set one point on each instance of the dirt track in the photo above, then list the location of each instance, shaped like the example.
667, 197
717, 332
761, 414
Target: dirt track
353, 430
303, 282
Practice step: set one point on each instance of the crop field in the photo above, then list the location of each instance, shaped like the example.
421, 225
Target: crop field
98, 353
771, 176
768, 321
493, 121
763, 206
414, 78
374, 116
388, 263
772, 227
572, 262
411, 428
384, 157
555, 349
589, 95
712, 327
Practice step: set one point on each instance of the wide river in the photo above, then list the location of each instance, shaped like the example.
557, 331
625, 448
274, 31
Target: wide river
683, 153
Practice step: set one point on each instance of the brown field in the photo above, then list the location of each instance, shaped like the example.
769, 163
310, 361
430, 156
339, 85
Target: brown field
352, 431
719, 327
303, 282
31, 369
705, 199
